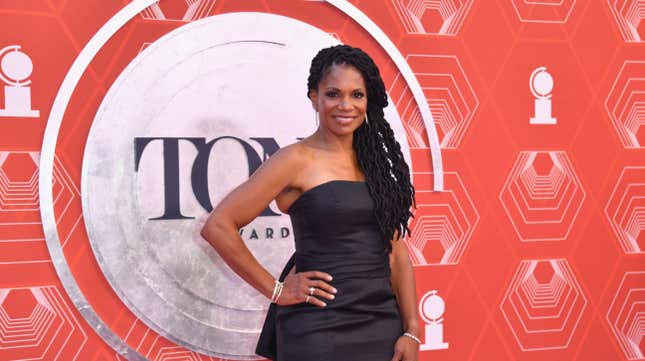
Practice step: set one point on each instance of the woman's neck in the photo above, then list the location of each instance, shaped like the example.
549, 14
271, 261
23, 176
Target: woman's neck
332, 142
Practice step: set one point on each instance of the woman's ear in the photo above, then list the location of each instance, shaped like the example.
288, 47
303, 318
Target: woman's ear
313, 96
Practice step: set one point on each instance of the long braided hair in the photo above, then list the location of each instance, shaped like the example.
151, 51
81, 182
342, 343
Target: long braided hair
378, 153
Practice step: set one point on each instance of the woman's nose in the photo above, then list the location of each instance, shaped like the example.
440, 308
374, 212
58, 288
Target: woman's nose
345, 104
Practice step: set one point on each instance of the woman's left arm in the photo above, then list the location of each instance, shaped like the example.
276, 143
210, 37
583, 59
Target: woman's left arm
402, 278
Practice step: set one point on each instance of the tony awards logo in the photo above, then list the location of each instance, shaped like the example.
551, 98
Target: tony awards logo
15, 68
431, 309
541, 85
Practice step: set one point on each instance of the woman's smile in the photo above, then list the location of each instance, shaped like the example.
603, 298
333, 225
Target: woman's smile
344, 119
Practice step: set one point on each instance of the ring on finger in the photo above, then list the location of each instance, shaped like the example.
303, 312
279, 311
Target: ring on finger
311, 291
307, 299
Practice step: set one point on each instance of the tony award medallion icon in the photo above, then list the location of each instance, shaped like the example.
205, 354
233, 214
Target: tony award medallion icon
431, 309
541, 85
15, 69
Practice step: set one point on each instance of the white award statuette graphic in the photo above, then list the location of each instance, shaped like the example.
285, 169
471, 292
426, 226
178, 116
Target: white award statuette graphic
431, 308
541, 85
15, 69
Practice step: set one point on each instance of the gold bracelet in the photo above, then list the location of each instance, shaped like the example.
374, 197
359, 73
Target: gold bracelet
412, 337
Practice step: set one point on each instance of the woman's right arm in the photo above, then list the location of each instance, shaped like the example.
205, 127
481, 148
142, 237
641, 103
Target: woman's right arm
239, 208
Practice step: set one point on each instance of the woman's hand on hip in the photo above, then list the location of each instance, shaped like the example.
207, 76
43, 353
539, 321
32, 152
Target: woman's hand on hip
310, 287
406, 349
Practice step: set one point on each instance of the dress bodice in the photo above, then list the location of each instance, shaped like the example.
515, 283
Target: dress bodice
336, 231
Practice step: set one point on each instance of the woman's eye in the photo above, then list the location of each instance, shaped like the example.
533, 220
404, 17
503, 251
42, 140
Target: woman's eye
331, 94
359, 95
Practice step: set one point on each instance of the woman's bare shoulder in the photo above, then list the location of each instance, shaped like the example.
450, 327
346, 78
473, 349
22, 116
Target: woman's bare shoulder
296, 154
292, 162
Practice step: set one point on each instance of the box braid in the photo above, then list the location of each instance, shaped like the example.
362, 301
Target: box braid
378, 153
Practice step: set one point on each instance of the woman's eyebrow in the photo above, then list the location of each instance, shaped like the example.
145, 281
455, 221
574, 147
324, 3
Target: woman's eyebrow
334, 88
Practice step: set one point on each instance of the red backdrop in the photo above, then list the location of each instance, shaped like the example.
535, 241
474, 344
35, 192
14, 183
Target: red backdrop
536, 246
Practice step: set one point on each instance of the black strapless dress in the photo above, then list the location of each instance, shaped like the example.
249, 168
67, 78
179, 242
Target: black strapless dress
336, 232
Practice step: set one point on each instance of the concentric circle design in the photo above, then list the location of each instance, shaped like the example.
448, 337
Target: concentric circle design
161, 266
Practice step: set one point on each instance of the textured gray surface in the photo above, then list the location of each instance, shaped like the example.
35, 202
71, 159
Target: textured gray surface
198, 81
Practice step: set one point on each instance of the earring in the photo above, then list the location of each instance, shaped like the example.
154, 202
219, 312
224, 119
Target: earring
366, 121
316, 117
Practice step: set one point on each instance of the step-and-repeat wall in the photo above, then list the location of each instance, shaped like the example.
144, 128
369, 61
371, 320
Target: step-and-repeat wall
122, 123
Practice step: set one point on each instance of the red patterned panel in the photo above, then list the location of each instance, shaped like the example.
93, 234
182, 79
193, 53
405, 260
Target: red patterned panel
533, 252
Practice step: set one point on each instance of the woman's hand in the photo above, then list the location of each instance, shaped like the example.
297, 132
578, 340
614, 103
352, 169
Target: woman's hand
307, 287
406, 349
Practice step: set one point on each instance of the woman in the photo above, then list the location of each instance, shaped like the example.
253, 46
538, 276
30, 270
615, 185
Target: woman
351, 295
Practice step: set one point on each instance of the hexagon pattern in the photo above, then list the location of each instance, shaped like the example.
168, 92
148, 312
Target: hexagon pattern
530, 11
626, 315
505, 245
37, 324
450, 96
626, 104
443, 224
18, 181
629, 15
542, 196
19, 212
625, 209
443, 17
543, 304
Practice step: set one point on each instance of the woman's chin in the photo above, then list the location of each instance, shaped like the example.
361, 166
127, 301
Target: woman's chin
343, 130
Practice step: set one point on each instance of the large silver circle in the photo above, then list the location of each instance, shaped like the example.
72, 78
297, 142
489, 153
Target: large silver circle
222, 76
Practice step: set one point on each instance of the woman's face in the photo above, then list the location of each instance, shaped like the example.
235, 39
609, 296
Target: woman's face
341, 99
